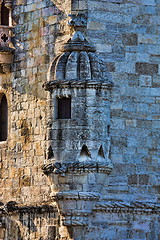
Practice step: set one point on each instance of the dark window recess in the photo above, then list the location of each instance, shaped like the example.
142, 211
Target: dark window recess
4, 15
64, 108
3, 119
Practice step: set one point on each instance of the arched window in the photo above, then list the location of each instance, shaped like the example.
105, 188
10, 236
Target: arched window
4, 15
3, 118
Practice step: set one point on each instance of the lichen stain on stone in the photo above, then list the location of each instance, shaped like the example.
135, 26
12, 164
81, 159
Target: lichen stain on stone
25, 132
25, 181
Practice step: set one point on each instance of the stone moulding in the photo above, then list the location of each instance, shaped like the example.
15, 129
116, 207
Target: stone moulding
78, 20
128, 207
73, 195
106, 84
107, 206
76, 218
12, 207
74, 221
70, 221
77, 167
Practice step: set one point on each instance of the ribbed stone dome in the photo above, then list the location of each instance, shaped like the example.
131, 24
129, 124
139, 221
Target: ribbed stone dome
78, 61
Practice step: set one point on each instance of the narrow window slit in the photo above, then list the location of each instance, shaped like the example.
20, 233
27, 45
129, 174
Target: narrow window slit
64, 108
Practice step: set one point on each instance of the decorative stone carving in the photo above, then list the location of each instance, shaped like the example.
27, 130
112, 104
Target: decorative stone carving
73, 195
77, 21
14, 207
79, 61
84, 84
130, 207
77, 167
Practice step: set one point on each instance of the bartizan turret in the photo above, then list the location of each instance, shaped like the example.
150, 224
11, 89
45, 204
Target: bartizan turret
78, 154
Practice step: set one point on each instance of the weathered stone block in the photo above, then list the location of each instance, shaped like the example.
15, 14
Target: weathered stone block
110, 67
156, 81
143, 179
142, 57
148, 38
133, 179
145, 80
146, 68
130, 39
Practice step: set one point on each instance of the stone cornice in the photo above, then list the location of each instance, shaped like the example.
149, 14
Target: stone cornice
128, 207
75, 195
106, 206
12, 207
77, 167
76, 218
97, 84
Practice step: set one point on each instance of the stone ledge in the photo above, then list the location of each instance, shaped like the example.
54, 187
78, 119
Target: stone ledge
77, 167
75, 195
14, 207
97, 84
128, 207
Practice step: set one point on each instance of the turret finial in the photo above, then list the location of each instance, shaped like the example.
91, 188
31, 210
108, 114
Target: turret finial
78, 21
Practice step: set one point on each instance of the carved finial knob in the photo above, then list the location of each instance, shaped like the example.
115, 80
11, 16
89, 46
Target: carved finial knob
78, 21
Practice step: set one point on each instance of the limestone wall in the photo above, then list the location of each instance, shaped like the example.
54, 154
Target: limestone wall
126, 34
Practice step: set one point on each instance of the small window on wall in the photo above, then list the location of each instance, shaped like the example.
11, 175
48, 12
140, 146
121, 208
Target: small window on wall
3, 118
4, 15
64, 108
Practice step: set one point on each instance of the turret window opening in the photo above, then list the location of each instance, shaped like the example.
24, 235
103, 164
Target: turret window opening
64, 108
3, 118
5, 15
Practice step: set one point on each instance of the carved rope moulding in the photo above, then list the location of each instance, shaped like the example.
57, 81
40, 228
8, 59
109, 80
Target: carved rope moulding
78, 84
77, 167
107, 206
133, 207
73, 195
